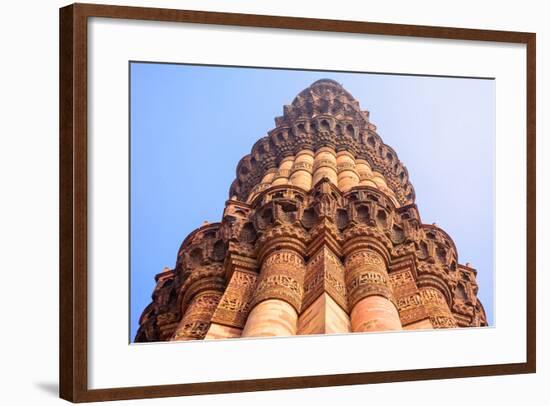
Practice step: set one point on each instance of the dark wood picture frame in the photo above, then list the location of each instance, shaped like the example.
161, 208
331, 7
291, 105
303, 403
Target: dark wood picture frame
73, 201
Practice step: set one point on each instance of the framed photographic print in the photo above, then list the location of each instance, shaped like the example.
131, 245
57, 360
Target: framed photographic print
256, 202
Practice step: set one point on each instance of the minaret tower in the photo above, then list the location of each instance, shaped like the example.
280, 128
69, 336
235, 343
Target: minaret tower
320, 235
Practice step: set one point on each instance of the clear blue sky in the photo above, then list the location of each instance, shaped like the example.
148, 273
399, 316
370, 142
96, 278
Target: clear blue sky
190, 125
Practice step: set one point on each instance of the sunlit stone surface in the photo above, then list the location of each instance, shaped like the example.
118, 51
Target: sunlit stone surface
320, 235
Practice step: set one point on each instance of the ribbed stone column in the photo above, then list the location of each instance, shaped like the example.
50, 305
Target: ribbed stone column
230, 316
283, 174
324, 165
302, 169
197, 317
370, 296
278, 296
412, 311
437, 308
272, 317
347, 172
380, 182
269, 175
365, 173
263, 185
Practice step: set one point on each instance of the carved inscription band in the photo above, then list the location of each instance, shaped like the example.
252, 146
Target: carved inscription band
437, 307
235, 303
281, 277
366, 275
325, 272
408, 298
196, 320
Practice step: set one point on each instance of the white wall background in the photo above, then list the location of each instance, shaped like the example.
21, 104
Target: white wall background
29, 185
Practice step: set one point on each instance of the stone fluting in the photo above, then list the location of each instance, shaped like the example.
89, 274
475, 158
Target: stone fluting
321, 234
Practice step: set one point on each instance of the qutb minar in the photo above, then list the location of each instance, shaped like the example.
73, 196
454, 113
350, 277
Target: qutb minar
320, 235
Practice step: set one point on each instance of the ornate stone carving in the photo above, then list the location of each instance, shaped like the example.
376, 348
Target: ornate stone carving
409, 300
320, 187
402, 282
324, 273
281, 277
366, 275
196, 320
339, 123
302, 166
437, 308
234, 305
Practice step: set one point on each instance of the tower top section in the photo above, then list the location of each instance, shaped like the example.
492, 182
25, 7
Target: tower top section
322, 116
324, 97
